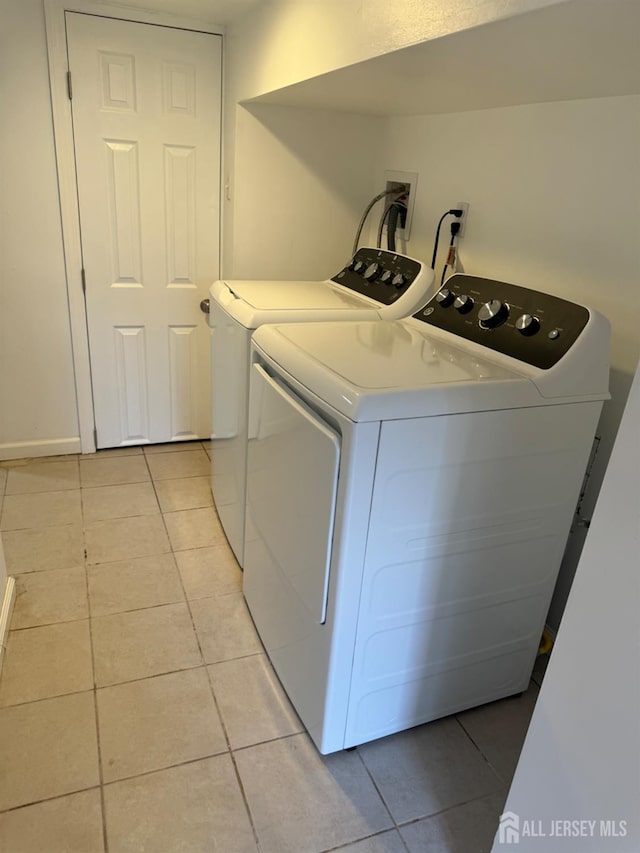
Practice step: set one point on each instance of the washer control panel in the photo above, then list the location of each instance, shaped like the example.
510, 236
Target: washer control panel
534, 327
378, 274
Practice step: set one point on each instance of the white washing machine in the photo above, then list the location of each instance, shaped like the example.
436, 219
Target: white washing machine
375, 284
410, 489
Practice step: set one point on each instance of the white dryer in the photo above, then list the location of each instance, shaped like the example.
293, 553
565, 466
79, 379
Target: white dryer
375, 284
410, 489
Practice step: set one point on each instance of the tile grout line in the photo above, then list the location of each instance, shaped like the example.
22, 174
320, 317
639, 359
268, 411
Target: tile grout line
49, 799
96, 687
366, 838
156, 770
51, 624
477, 746
46, 698
236, 770
103, 810
378, 791
450, 808
24, 463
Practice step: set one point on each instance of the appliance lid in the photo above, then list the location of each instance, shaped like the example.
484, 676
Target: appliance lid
383, 355
294, 295
391, 369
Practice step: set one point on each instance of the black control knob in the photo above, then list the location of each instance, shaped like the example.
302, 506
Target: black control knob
463, 303
528, 324
445, 297
358, 267
493, 314
398, 280
372, 272
386, 277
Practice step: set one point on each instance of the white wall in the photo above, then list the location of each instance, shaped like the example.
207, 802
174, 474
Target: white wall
302, 179
37, 392
580, 756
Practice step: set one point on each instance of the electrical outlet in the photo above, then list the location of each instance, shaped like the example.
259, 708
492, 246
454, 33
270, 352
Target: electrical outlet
399, 179
464, 206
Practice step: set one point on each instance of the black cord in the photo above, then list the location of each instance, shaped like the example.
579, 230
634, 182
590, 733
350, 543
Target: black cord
444, 268
454, 212
455, 228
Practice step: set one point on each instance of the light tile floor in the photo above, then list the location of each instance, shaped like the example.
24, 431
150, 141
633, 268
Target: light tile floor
138, 711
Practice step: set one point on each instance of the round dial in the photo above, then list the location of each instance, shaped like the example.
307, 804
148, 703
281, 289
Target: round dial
463, 303
398, 280
372, 272
386, 276
527, 324
493, 314
358, 267
444, 297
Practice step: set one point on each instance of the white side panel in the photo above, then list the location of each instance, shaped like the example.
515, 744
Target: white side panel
230, 344
469, 520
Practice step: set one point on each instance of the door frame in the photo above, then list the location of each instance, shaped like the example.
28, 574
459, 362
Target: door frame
54, 13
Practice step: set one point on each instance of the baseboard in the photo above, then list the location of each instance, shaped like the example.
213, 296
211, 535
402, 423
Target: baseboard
47, 447
5, 614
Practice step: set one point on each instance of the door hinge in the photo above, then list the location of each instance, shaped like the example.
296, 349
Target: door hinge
84, 281
69, 89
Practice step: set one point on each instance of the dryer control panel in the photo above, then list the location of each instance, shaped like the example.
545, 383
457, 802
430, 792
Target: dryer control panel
534, 327
378, 274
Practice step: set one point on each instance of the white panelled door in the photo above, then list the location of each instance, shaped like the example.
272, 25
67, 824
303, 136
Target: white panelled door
146, 103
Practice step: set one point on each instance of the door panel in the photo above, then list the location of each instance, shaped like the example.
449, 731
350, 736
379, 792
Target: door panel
146, 116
